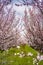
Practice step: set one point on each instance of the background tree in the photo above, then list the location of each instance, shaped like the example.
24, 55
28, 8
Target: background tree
34, 27
38, 3
6, 26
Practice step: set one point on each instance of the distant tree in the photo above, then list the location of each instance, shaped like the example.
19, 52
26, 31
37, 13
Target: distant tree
34, 27
37, 3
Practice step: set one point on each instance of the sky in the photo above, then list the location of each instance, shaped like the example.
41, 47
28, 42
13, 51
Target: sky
19, 9
15, 1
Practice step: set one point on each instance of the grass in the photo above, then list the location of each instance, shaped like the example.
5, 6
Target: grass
20, 55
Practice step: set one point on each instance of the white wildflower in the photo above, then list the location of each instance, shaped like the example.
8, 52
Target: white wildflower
37, 63
34, 60
23, 55
29, 54
15, 54
7, 50
4, 53
18, 47
22, 52
40, 57
20, 55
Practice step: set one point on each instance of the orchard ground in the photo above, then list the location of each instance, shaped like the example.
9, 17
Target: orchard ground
21, 55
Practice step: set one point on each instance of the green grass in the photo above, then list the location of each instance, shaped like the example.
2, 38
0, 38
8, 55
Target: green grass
19, 56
